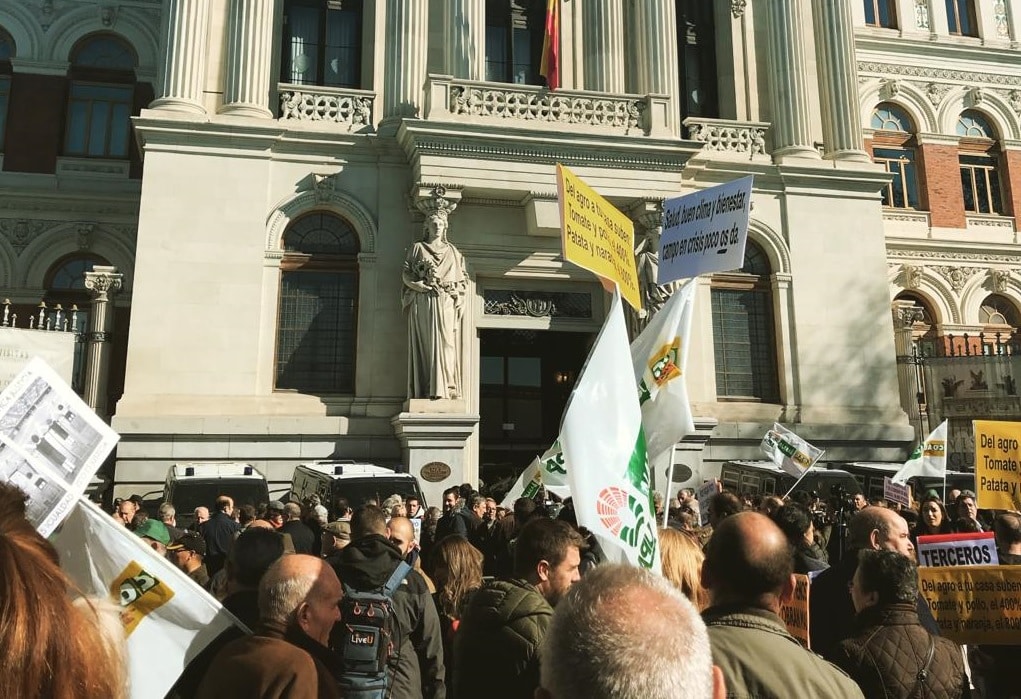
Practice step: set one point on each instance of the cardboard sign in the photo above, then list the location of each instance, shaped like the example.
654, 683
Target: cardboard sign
702, 494
894, 492
954, 550
975, 605
997, 465
795, 612
596, 236
705, 231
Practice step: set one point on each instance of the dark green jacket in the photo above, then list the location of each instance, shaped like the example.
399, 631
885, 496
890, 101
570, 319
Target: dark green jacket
496, 647
761, 660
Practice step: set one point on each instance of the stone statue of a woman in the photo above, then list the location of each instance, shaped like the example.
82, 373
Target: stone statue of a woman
435, 284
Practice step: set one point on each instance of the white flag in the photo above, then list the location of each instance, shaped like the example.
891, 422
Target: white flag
789, 451
660, 356
601, 436
928, 459
168, 619
526, 486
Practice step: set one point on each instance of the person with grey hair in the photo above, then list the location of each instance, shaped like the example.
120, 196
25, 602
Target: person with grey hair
626, 633
890, 654
168, 515
288, 656
301, 534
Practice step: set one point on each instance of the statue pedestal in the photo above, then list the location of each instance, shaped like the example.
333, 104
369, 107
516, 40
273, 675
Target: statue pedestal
434, 444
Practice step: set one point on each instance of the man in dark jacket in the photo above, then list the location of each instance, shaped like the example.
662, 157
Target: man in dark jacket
304, 539
365, 565
796, 523
831, 613
496, 648
891, 654
748, 571
219, 532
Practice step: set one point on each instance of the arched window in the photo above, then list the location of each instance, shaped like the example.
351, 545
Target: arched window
514, 33
1000, 323
696, 38
322, 43
7, 51
101, 98
893, 147
979, 157
318, 318
881, 13
743, 336
961, 18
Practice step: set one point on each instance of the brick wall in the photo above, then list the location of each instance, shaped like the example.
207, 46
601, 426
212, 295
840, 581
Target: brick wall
939, 178
1010, 183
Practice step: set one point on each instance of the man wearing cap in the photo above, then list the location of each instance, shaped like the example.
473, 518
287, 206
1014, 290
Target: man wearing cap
187, 553
275, 513
335, 536
155, 534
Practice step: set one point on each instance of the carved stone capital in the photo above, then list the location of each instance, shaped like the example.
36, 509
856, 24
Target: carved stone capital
647, 213
103, 281
737, 8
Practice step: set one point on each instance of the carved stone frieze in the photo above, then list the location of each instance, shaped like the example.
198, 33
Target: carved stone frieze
737, 8
974, 97
537, 304
323, 187
922, 14
889, 89
85, 231
508, 103
108, 15
912, 276
957, 277
999, 279
963, 256
935, 92
20, 232
939, 74
1000, 19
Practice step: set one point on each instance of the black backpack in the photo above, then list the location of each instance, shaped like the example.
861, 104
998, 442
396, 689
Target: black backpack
368, 638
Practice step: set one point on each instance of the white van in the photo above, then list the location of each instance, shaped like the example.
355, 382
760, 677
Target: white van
195, 484
358, 482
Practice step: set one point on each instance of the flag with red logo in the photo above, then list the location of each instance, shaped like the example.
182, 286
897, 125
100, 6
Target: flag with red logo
550, 66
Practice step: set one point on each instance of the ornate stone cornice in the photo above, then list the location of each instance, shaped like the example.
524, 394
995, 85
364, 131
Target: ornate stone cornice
902, 254
956, 76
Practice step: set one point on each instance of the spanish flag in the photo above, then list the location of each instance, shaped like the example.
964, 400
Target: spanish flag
550, 66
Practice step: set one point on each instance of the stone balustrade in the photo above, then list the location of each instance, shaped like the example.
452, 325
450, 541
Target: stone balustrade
353, 108
744, 140
534, 106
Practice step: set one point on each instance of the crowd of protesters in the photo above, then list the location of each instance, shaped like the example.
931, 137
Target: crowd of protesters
494, 603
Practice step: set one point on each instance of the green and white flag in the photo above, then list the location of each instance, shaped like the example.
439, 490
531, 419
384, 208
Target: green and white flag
928, 459
789, 451
601, 436
658, 356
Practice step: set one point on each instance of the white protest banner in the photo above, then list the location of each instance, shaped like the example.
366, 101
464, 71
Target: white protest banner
602, 429
168, 619
702, 494
928, 459
51, 443
18, 346
896, 492
705, 231
659, 355
967, 549
527, 485
789, 451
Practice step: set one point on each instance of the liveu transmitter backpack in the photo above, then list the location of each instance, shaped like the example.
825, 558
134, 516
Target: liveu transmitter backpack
369, 641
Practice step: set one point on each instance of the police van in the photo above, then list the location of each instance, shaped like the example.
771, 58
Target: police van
766, 478
198, 484
357, 482
870, 475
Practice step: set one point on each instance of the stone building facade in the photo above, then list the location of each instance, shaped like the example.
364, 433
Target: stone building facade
286, 155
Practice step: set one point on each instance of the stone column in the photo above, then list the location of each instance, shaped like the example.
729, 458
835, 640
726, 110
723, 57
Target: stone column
102, 283
788, 80
837, 73
465, 26
406, 57
249, 58
655, 23
184, 64
603, 41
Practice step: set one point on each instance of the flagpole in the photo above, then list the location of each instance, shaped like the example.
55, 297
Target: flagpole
798, 481
666, 489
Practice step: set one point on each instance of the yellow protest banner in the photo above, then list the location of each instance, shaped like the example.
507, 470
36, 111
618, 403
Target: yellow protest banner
596, 236
997, 470
980, 604
795, 612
